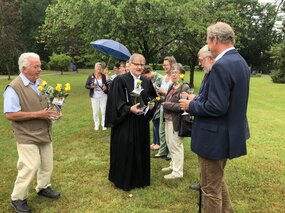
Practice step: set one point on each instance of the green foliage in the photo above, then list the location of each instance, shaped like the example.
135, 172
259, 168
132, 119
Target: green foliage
278, 76
61, 62
277, 53
10, 44
155, 28
61, 31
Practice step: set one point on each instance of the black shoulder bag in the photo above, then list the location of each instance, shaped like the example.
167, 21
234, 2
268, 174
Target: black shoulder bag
185, 124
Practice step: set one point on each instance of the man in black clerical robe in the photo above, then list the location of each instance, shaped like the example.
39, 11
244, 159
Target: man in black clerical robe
130, 137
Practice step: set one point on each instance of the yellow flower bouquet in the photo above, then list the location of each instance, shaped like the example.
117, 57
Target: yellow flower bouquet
55, 94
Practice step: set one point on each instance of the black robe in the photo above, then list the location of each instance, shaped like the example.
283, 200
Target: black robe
130, 137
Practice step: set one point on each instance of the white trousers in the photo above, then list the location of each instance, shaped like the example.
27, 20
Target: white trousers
98, 103
32, 159
176, 149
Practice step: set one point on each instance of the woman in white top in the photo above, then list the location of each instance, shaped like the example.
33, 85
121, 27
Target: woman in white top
97, 84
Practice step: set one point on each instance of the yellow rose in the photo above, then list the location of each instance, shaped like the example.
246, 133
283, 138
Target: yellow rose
139, 82
154, 73
158, 98
159, 77
67, 87
40, 88
181, 76
44, 83
58, 87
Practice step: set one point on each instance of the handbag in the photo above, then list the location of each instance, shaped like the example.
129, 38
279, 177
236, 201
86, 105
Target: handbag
185, 126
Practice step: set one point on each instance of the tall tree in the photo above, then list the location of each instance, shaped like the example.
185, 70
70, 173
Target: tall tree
9, 43
33, 15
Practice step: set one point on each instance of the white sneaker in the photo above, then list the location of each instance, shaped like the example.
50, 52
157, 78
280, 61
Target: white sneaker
172, 176
96, 128
104, 128
167, 169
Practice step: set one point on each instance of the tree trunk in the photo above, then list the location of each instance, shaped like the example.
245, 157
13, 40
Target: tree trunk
8, 70
191, 82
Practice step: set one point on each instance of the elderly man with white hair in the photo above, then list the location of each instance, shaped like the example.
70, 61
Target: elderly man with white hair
26, 108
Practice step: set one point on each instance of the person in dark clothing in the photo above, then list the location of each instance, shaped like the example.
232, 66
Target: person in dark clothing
130, 137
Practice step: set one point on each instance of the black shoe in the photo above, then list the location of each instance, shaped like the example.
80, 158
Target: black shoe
21, 206
167, 158
48, 192
158, 156
195, 186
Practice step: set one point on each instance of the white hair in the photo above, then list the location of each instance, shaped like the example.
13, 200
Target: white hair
205, 50
24, 60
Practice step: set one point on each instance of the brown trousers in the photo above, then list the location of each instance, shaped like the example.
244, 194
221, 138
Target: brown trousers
215, 192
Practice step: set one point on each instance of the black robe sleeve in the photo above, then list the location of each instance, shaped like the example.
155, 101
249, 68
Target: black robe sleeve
118, 105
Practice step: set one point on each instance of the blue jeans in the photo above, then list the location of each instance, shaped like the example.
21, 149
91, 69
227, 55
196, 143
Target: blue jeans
155, 130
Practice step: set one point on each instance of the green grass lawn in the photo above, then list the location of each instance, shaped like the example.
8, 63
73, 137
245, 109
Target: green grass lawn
81, 161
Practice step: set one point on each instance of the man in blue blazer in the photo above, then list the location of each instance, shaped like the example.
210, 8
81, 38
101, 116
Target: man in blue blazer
220, 127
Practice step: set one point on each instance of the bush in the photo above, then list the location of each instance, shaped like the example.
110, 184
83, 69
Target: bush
44, 65
278, 76
61, 62
158, 67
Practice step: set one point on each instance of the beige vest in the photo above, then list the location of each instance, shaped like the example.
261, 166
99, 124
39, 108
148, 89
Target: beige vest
33, 131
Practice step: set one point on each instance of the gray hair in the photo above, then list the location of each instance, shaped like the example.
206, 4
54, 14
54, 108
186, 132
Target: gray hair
179, 67
221, 31
171, 59
98, 63
24, 59
136, 55
205, 50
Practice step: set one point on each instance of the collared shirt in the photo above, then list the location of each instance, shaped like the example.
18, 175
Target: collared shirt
136, 79
11, 98
223, 53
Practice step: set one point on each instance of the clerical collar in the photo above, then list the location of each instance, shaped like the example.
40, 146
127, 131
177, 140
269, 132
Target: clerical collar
135, 77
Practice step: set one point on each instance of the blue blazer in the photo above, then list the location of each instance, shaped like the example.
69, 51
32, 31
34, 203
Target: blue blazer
220, 128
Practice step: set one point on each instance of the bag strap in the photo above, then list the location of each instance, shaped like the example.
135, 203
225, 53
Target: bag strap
98, 83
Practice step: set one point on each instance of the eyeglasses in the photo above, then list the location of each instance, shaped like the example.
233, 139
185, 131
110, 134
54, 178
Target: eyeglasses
175, 73
201, 60
137, 65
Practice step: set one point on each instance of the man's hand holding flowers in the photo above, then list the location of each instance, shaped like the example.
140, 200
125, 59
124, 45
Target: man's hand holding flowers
56, 98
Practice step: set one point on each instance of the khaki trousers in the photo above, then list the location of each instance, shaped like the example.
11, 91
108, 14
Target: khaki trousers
32, 159
213, 186
176, 149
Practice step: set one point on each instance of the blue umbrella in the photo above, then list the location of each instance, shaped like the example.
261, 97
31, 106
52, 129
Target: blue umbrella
112, 48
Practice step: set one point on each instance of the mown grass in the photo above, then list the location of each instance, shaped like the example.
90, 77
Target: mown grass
81, 161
